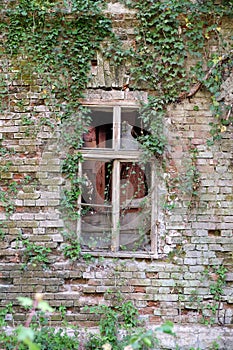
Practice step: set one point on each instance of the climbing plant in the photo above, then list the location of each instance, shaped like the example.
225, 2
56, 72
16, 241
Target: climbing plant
179, 47
48, 46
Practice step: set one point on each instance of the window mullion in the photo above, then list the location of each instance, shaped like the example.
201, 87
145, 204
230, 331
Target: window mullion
115, 205
116, 127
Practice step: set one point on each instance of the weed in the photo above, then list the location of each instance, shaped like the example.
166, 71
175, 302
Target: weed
217, 277
129, 314
2, 231
62, 311
34, 334
8, 309
35, 254
143, 340
72, 250
88, 257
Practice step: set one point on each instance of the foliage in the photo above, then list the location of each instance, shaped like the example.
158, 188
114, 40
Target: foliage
7, 202
129, 314
35, 254
33, 335
70, 165
50, 338
216, 276
167, 31
154, 141
70, 168
168, 35
55, 42
36, 334
216, 287
148, 339
8, 309
123, 316
143, 340
108, 324
72, 250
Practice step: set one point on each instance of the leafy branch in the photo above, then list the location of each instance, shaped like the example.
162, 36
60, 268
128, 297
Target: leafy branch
25, 333
198, 85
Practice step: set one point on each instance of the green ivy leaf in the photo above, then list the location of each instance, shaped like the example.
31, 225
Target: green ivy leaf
166, 327
31, 345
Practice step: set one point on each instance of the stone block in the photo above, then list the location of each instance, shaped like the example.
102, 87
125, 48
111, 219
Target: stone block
193, 254
190, 261
164, 290
164, 275
88, 275
51, 223
27, 224
66, 296
140, 282
167, 297
152, 290
195, 269
89, 289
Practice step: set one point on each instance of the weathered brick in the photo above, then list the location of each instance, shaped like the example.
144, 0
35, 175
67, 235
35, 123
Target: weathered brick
189, 239
140, 282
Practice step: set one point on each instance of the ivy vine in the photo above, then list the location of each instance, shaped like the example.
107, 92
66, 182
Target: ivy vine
70, 169
171, 34
51, 44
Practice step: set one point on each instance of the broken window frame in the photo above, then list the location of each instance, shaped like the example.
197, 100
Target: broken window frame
118, 155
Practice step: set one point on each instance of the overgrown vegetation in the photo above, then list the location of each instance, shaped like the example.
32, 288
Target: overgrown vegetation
36, 334
70, 169
55, 41
35, 254
119, 329
123, 316
217, 278
179, 48
210, 309
72, 251
171, 33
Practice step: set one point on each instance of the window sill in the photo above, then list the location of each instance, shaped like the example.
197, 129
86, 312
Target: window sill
132, 255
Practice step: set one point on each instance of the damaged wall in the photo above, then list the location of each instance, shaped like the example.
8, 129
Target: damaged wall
194, 231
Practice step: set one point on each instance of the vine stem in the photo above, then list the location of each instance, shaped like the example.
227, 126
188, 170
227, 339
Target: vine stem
229, 112
31, 314
198, 85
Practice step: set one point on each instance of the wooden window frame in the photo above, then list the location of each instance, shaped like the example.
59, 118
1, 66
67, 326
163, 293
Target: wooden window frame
119, 155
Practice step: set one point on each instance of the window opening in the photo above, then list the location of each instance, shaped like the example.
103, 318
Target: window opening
96, 205
129, 122
99, 133
94, 67
117, 205
134, 206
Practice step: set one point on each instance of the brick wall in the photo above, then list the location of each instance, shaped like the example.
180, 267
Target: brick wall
173, 287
